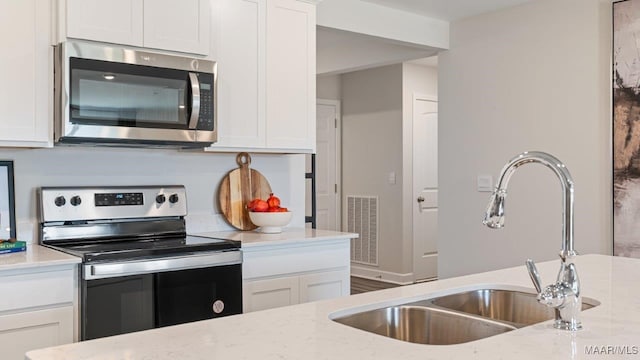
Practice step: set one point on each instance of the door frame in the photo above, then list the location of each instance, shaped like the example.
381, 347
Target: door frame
338, 159
416, 97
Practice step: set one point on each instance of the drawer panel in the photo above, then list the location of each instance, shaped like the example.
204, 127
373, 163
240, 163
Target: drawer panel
36, 289
295, 259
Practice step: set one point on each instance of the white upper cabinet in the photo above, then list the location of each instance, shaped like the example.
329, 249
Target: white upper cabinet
159, 24
291, 74
265, 51
26, 66
114, 21
177, 25
240, 54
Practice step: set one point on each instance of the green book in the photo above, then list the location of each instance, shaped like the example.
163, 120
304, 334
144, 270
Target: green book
7, 247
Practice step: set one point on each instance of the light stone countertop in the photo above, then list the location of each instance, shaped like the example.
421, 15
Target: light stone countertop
288, 236
305, 331
35, 256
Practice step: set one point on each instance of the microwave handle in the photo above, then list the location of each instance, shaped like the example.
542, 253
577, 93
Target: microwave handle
195, 100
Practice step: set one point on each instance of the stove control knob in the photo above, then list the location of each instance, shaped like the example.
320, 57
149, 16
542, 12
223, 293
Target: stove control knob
174, 198
60, 201
75, 201
161, 199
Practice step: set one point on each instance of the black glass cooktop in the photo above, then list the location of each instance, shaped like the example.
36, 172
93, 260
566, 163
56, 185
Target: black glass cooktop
145, 248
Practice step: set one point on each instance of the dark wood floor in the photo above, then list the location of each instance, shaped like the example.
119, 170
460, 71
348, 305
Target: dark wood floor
360, 285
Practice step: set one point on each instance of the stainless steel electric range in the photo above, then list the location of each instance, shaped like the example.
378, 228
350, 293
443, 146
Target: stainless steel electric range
139, 269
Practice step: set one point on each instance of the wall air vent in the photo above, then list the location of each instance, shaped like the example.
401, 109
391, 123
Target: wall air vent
362, 218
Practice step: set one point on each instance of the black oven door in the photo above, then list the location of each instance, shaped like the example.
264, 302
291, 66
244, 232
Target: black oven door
117, 305
123, 304
198, 294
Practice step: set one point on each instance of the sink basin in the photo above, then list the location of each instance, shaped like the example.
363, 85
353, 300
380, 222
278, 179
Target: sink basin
424, 325
457, 318
515, 307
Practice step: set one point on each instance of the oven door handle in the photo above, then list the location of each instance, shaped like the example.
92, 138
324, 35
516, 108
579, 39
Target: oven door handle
128, 268
195, 100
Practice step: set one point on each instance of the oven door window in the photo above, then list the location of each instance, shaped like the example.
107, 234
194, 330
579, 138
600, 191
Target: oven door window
198, 294
125, 95
117, 306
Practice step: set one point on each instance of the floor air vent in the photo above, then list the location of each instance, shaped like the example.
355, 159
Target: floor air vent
362, 218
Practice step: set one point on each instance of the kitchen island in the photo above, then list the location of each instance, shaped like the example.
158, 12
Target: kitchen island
305, 331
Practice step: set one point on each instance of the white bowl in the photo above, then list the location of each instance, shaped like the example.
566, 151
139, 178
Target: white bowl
270, 222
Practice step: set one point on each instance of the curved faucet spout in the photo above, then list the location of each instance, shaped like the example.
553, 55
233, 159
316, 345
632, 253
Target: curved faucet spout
564, 295
494, 217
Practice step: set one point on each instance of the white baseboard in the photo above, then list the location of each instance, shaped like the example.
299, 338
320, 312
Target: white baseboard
379, 275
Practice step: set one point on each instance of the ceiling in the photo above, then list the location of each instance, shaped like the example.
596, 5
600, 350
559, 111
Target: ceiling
448, 10
343, 51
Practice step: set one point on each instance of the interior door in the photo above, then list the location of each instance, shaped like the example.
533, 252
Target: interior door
425, 189
327, 165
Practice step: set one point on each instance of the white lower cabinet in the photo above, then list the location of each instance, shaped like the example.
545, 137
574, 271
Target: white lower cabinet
282, 275
324, 285
270, 293
37, 309
31, 330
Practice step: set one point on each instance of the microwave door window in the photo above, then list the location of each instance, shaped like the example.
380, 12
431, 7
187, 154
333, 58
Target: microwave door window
129, 99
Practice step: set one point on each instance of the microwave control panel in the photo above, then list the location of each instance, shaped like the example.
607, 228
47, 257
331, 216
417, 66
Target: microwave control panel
205, 121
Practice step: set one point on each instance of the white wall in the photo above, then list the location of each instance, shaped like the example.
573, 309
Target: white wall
371, 149
533, 77
201, 174
329, 87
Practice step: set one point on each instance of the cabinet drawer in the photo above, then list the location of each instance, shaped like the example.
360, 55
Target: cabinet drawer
274, 261
36, 289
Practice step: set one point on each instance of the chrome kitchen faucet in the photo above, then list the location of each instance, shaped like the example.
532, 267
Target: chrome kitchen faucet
564, 296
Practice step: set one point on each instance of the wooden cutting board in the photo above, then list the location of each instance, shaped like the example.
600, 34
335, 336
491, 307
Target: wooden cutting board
239, 187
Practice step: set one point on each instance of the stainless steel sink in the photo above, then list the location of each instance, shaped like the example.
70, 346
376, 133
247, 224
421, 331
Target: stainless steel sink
515, 307
456, 318
424, 325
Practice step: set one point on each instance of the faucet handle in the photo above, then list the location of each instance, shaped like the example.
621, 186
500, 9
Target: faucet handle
534, 275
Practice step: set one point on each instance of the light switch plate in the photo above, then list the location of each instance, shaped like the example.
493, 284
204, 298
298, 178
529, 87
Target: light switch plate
485, 183
392, 178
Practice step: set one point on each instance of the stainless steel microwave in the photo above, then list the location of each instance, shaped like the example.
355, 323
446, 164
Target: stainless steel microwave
125, 97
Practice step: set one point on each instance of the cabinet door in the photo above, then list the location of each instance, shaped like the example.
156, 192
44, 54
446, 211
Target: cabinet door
324, 285
291, 68
25, 69
270, 293
240, 26
177, 25
32, 330
113, 21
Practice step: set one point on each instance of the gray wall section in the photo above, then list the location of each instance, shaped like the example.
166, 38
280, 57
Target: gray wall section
329, 87
533, 77
372, 148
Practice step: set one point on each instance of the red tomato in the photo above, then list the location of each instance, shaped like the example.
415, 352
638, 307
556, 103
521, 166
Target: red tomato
252, 204
260, 206
273, 201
